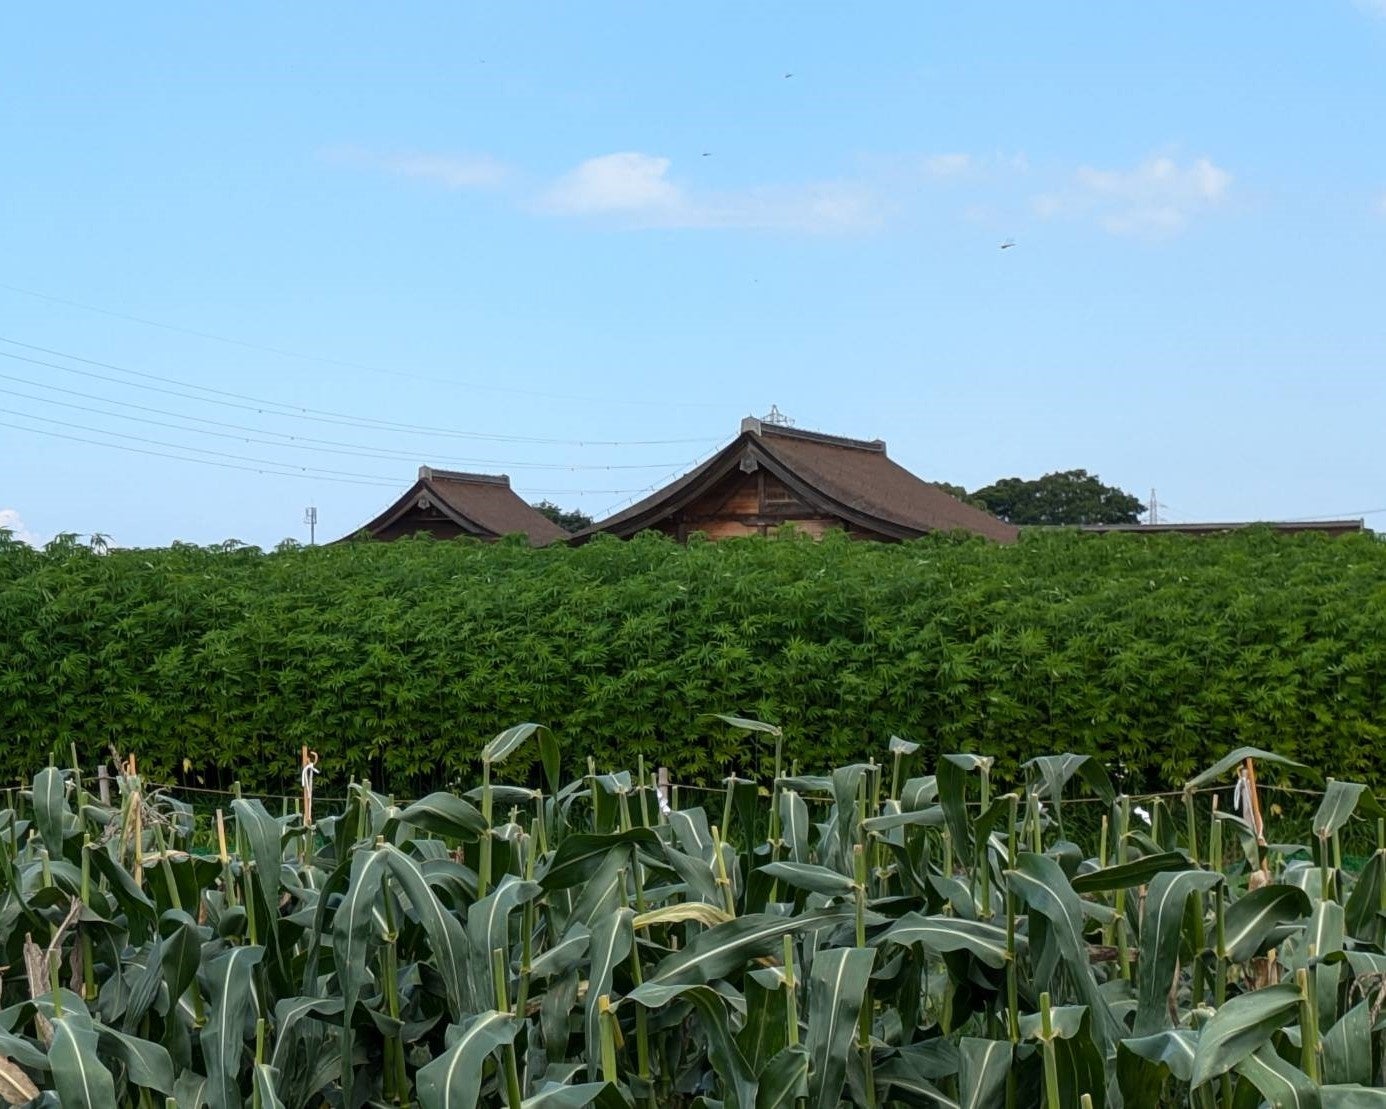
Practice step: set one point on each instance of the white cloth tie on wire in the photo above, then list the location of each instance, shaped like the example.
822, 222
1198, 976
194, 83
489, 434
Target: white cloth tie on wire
664, 808
306, 777
1241, 796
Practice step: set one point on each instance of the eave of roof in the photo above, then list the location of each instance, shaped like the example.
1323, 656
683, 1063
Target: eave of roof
431, 487
798, 459
409, 502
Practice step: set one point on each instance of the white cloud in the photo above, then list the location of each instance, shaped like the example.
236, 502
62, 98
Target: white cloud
456, 173
975, 169
627, 182
634, 189
452, 171
948, 165
10, 521
637, 190
1157, 198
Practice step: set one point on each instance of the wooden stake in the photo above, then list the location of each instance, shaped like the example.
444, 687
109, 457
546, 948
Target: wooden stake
103, 784
308, 768
136, 818
221, 838
139, 837
1258, 823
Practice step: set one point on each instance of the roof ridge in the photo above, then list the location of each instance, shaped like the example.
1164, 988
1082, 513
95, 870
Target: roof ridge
761, 428
428, 473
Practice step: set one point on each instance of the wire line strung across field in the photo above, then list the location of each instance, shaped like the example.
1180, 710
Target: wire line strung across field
266, 406
488, 386
175, 788
282, 439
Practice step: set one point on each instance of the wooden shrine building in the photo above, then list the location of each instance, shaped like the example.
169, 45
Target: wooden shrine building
1284, 527
771, 475
446, 504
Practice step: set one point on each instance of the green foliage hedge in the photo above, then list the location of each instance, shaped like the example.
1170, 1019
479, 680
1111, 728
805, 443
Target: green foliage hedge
399, 660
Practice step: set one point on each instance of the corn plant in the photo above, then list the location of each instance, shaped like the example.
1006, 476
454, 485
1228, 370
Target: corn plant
874, 936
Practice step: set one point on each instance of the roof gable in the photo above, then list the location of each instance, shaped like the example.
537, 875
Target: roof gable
852, 480
480, 505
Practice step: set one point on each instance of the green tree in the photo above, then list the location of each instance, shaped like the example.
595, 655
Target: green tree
567, 519
959, 492
1066, 497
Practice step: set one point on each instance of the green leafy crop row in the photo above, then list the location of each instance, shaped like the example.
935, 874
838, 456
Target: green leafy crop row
872, 937
392, 660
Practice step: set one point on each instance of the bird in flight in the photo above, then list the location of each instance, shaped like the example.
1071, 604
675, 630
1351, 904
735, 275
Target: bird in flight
1008, 244
788, 75
707, 153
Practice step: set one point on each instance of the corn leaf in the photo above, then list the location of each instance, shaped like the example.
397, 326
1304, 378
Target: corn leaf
580, 854
1138, 872
446, 939
837, 990
1236, 758
784, 1080
1280, 1082
748, 725
1340, 801
444, 814
79, 1077
1250, 919
1162, 924
812, 878
453, 1080
611, 943
50, 807
1347, 1047
728, 947
228, 982
146, 1064
1239, 1028
982, 1068
263, 834
943, 934
1039, 883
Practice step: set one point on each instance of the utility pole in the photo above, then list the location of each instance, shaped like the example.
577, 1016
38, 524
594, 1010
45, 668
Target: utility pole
310, 517
1154, 512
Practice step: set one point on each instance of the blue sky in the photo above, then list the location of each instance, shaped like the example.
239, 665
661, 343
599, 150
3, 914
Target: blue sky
576, 243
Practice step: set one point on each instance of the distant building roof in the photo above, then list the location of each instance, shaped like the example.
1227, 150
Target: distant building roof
448, 503
1329, 527
850, 480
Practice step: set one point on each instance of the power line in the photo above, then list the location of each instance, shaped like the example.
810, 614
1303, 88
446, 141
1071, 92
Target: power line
637, 494
316, 415
256, 465
328, 361
1334, 516
198, 450
296, 442
184, 458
